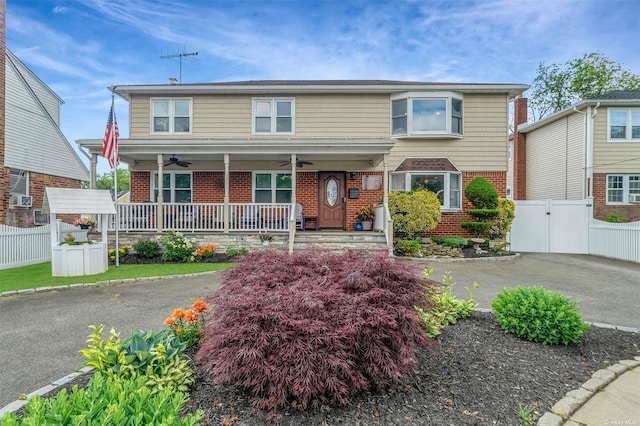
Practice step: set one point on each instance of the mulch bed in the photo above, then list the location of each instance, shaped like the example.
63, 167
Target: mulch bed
135, 259
475, 375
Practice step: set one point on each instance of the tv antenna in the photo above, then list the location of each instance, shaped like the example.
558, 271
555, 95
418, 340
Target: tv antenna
180, 56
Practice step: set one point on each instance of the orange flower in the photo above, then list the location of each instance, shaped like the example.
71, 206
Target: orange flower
200, 306
170, 321
178, 313
177, 330
190, 316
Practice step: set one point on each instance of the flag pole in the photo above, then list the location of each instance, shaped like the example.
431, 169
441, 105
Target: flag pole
114, 158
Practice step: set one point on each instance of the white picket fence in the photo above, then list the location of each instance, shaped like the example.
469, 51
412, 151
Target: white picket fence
28, 246
616, 240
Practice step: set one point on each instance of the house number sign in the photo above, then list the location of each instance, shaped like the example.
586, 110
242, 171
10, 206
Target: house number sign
332, 192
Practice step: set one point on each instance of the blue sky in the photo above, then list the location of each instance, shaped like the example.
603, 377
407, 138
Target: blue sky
80, 47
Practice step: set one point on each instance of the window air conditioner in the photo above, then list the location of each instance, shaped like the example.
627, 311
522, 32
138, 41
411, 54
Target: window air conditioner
634, 198
25, 201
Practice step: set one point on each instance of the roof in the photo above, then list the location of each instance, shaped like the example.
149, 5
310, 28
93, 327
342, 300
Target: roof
426, 164
615, 98
78, 201
314, 86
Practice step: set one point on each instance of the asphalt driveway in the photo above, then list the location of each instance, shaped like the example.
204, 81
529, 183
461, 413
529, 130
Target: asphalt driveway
41, 333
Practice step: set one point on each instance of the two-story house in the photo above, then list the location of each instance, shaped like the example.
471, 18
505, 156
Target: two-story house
242, 155
34, 153
591, 149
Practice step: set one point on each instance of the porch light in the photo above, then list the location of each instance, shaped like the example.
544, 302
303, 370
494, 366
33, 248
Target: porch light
353, 175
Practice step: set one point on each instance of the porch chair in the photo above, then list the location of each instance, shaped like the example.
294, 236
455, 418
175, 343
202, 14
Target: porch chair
299, 217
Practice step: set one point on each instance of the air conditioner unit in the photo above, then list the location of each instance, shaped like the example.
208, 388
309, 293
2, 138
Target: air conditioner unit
14, 199
25, 201
40, 218
634, 198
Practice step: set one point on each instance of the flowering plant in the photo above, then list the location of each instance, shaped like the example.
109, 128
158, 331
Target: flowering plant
176, 248
187, 324
205, 251
122, 252
265, 236
86, 221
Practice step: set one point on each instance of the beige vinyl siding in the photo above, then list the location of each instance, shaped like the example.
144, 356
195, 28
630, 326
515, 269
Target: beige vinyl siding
483, 146
555, 158
612, 157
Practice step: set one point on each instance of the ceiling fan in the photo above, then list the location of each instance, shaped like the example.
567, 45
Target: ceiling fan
174, 160
299, 163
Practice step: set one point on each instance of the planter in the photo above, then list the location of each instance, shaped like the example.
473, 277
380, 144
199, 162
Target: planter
84, 226
357, 226
75, 260
265, 243
367, 225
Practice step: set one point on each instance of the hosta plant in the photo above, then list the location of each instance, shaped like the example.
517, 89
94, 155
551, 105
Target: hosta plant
107, 401
314, 328
158, 357
536, 314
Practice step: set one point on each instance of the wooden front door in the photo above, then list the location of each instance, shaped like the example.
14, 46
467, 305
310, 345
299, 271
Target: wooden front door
331, 200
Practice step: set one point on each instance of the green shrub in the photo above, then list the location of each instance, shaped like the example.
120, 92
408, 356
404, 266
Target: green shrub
536, 314
614, 218
477, 229
176, 248
451, 241
158, 357
147, 248
407, 248
501, 225
413, 213
481, 194
446, 308
483, 214
107, 401
235, 251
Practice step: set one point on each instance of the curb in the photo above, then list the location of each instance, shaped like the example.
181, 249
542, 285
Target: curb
98, 284
575, 399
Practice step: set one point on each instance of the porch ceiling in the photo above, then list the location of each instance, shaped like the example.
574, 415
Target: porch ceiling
133, 151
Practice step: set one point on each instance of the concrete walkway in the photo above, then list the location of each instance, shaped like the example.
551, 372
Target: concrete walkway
41, 333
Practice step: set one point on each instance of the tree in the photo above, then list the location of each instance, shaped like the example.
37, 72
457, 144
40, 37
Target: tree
105, 181
558, 86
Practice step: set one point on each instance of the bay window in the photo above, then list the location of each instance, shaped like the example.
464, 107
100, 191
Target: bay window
446, 185
426, 115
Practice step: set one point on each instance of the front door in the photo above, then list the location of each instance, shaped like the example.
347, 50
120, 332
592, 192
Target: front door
331, 193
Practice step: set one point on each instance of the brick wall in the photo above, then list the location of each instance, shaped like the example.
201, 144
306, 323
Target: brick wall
4, 172
366, 197
629, 212
519, 157
307, 192
37, 183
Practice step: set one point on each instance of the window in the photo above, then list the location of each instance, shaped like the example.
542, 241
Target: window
18, 185
176, 187
619, 187
420, 115
624, 124
446, 185
271, 187
273, 116
171, 116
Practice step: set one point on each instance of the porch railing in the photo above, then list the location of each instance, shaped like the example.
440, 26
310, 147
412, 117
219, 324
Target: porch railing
191, 217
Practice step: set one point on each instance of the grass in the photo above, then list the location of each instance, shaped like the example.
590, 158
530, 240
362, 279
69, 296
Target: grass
39, 275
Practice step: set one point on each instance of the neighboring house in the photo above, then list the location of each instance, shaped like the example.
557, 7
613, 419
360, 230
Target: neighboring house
591, 149
249, 148
35, 154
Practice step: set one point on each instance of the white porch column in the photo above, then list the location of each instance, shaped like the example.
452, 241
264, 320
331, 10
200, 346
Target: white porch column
385, 181
292, 222
160, 201
94, 172
225, 208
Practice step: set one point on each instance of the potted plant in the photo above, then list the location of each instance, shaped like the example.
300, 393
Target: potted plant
365, 217
86, 223
265, 237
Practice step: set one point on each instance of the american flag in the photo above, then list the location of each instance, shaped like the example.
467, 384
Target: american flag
110, 142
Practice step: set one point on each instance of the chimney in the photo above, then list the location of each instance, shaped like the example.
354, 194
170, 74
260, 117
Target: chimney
173, 81
519, 150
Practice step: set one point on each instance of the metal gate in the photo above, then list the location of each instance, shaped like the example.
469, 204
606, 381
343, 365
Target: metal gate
551, 226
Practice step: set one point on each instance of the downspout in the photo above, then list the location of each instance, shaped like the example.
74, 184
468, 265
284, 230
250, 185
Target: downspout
585, 172
590, 148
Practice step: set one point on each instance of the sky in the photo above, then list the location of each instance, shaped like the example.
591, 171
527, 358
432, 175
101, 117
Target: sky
81, 47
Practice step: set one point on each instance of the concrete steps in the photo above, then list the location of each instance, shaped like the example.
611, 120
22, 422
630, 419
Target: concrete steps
340, 240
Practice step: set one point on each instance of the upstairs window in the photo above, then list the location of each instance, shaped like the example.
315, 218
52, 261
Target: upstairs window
426, 115
624, 125
171, 116
273, 116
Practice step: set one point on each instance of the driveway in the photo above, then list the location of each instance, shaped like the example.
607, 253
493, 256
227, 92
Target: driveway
41, 334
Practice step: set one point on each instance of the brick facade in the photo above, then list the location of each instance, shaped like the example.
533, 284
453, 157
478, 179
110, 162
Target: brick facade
628, 212
519, 154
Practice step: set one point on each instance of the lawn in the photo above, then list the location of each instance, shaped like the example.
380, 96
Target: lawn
39, 275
